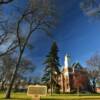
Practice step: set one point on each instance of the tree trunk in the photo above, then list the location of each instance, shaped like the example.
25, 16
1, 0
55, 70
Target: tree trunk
51, 83
8, 92
51, 88
2, 85
78, 90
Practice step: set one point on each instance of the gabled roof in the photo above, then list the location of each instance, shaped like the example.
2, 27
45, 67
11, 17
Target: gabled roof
77, 66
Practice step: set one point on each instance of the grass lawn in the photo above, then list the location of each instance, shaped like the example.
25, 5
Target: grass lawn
16, 96
72, 97
23, 96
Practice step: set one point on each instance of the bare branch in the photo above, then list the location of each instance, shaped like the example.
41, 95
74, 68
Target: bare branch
3, 38
18, 25
5, 1
8, 51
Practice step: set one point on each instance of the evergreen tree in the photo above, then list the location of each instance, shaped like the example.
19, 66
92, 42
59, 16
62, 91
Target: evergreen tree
51, 71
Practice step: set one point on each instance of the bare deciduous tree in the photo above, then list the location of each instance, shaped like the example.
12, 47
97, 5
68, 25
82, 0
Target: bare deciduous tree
7, 64
39, 17
94, 66
91, 7
94, 61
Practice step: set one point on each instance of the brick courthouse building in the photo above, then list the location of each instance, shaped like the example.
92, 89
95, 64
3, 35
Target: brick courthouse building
72, 77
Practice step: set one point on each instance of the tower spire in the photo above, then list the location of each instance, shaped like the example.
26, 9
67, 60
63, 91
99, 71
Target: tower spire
66, 84
66, 62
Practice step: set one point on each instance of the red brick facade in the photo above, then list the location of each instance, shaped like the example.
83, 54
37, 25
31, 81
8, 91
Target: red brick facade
73, 77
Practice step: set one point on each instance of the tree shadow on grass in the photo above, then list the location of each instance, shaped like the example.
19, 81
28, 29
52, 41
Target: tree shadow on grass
16, 99
20, 99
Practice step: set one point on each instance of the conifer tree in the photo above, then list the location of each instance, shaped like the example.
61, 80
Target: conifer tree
51, 70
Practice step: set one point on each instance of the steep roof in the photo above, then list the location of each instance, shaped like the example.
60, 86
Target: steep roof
77, 66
